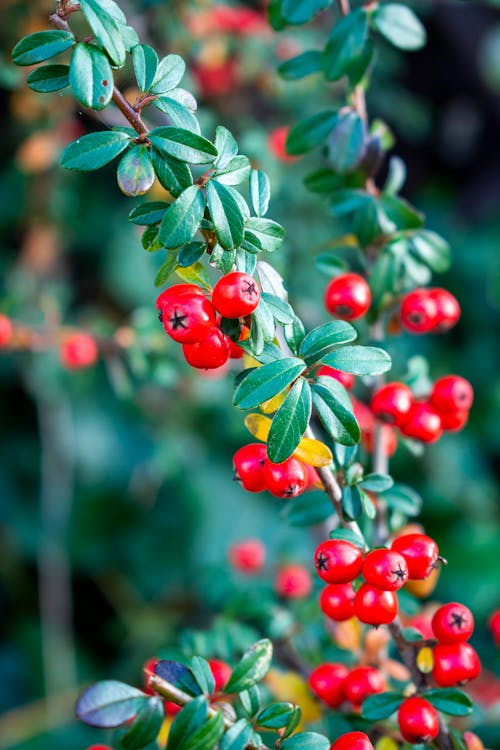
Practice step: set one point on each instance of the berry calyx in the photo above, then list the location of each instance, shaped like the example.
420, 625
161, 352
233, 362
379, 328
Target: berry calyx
418, 720
448, 309
392, 403
5, 330
385, 569
77, 351
422, 423
210, 353
221, 672
419, 311
452, 623
247, 556
451, 394
455, 664
293, 581
187, 318
287, 479
248, 463
362, 682
327, 682
352, 741
338, 561
420, 552
236, 295
374, 606
348, 296
337, 601
346, 378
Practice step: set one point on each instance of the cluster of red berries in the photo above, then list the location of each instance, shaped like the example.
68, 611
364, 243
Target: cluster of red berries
335, 683
190, 318
385, 571
446, 408
455, 661
257, 473
429, 311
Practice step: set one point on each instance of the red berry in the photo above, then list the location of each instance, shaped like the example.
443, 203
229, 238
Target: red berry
313, 480
287, 479
385, 569
451, 393
247, 556
419, 311
148, 671
494, 626
418, 721
217, 77
78, 350
187, 318
374, 606
389, 439
5, 330
236, 352
348, 296
454, 421
352, 741
392, 403
455, 663
276, 141
338, 561
422, 423
176, 291
221, 672
346, 378
448, 309
99, 747
327, 682
293, 582
236, 295
453, 623
248, 464
171, 708
337, 601
210, 353
420, 552
362, 682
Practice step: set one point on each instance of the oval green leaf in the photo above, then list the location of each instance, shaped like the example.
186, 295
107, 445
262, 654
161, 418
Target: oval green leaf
226, 215
359, 360
182, 220
40, 46
252, 668
265, 382
290, 422
400, 26
183, 145
135, 173
334, 408
49, 78
450, 701
109, 704
91, 76
94, 150
106, 28
381, 706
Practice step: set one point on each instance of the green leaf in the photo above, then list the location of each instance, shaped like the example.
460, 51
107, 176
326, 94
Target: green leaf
376, 482
175, 176
308, 509
346, 44
222, 259
293, 722
263, 315
324, 338
383, 278
237, 737
226, 215
145, 65
306, 741
368, 506
359, 360
260, 192
290, 422
250, 700
106, 29
269, 233
182, 220
94, 150
323, 181
302, 11
202, 673
40, 46
168, 75
334, 408
294, 334
310, 133
149, 239
135, 172
330, 265
346, 201
194, 274
275, 15
348, 535
457, 739
91, 76
351, 502
145, 727
275, 716
109, 704
396, 176
403, 499
346, 143
265, 382
254, 663
49, 78
235, 172
450, 701
401, 212
167, 269
180, 115
280, 309
226, 146
400, 26
148, 213
187, 721
191, 253
301, 66
183, 145
381, 706
431, 249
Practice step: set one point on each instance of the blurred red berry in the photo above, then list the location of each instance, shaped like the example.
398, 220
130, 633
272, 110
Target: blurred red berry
337, 601
293, 581
217, 78
221, 672
374, 606
327, 682
392, 403
362, 682
455, 664
494, 626
338, 561
348, 296
247, 556
78, 350
451, 394
419, 311
423, 423
418, 721
388, 436
5, 330
352, 741
452, 623
346, 378
448, 309
277, 144
248, 463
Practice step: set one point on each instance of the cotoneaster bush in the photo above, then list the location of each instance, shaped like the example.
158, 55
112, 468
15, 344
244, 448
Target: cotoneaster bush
225, 300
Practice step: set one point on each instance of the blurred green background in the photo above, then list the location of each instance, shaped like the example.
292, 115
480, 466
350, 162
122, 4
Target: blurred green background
117, 503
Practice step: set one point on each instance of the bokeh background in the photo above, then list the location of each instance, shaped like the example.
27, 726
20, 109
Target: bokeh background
117, 503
